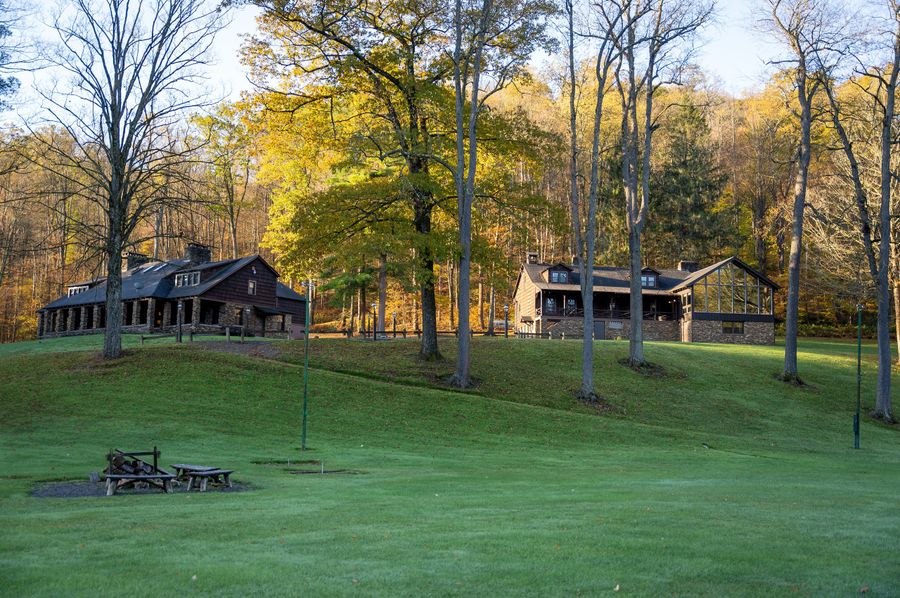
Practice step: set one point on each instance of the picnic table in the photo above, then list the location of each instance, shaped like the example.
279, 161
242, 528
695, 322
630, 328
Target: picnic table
200, 475
126, 468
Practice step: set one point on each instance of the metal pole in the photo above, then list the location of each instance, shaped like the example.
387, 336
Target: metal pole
506, 321
374, 321
305, 375
180, 318
394, 318
859, 310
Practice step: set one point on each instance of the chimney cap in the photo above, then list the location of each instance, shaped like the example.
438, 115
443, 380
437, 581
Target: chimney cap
531, 257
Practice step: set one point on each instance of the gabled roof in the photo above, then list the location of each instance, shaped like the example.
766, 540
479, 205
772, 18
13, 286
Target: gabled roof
154, 279
699, 274
610, 279
558, 265
607, 279
282, 291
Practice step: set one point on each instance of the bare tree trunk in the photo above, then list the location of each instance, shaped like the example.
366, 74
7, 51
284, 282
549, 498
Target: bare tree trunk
233, 231
382, 291
451, 294
157, 231
883, 395
491, 312
790, 373
896, 289
428, 349
112, 339
480, 299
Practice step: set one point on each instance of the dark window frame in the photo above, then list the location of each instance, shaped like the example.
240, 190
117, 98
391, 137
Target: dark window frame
559, 276
733, 328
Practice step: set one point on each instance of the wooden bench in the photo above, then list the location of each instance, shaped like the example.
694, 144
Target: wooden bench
127, 469
201, 478
182, 470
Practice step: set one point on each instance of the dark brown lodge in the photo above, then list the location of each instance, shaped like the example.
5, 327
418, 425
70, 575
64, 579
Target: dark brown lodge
727, 302
237, 292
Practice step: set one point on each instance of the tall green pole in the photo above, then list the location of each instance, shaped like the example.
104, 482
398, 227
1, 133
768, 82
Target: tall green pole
859, 310
305, 371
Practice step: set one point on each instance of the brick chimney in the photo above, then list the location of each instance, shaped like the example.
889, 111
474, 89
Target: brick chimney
686, 266
198, 254
134, 260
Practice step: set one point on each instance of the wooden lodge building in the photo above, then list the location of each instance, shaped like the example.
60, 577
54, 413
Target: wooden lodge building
727, 302
236, 292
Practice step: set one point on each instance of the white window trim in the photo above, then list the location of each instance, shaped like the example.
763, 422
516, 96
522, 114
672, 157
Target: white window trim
77, 289
251, 287
187, 279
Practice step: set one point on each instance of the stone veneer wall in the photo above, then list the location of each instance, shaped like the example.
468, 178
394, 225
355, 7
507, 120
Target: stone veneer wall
710, 331
654, 330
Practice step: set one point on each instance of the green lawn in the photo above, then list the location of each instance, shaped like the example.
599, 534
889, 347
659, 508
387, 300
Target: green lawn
513, 489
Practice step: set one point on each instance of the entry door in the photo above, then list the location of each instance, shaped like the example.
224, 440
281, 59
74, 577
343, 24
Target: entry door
599, 331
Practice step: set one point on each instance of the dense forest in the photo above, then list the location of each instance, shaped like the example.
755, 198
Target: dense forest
410, 153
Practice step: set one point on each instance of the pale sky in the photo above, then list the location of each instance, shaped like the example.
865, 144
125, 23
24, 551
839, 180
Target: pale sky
731, 53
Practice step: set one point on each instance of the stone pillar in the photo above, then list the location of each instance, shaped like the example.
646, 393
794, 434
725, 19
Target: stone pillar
151, 313
167, 314
82, 322
58, 320
136, 313
195, 311
70, 321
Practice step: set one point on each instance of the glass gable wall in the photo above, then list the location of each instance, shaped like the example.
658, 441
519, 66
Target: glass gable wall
732, 290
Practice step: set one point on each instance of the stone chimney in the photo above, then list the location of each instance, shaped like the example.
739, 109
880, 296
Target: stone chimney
198, 254
686, 266
134, 260
531, 257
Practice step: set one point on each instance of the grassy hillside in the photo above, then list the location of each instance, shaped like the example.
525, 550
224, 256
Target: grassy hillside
512, 489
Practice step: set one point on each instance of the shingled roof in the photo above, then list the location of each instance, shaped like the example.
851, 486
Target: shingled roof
155, 279
610, 279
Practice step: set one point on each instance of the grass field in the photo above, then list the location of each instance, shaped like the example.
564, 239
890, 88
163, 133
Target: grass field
714, 479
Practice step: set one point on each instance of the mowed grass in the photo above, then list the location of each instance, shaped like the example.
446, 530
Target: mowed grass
714, 479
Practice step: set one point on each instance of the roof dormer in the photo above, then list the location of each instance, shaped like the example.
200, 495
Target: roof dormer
650, 278
559, 274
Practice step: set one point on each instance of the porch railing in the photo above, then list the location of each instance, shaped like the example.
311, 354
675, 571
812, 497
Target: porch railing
605, 314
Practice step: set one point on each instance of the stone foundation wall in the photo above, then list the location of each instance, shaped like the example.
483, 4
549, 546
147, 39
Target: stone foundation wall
654, 330
710, 331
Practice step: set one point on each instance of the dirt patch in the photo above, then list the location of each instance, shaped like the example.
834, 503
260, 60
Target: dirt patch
324, 471
288, 462
598, 404
648, 370
249, 348
80, 489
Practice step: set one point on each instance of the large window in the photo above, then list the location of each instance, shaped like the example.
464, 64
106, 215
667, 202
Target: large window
559, 276
732, 328
550, 305
732, 290
188, 279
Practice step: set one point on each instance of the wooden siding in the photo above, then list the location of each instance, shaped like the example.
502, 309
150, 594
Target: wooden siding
234, 288
524, 300
296, 308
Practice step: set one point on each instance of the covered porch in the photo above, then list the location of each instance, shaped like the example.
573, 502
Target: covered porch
607, 305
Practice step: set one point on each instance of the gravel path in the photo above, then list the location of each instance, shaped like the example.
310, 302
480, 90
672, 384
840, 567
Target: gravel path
85, 489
